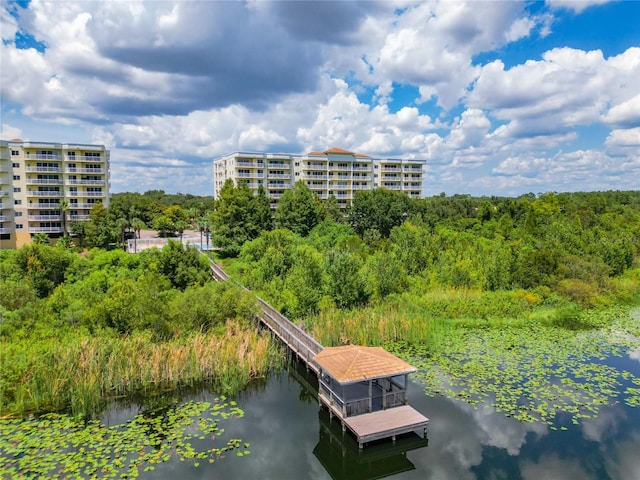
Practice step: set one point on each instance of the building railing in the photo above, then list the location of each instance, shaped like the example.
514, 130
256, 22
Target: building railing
45, 229
389, 168
97, 171
275, 195
45, 218
392, 177
41, 156
361, 187
4, 193
6, 230
392, 187
44, 181
280, 175
44, 205
250, 175
312, 176
278, 185
43, 169
86, 182
242, 163
93, 194
361, 169
44, 193
279, 166
83, 206
314, 166
84, 158
78, 218
5, 218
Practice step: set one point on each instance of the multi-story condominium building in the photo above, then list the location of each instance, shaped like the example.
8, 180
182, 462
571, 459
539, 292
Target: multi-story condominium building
42, 181
334, 172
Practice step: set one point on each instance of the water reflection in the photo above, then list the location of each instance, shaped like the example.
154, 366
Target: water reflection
292, 439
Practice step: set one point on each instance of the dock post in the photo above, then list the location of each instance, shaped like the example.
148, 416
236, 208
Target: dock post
393, 439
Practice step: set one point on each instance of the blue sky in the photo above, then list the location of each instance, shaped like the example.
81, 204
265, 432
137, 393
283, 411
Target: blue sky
499, 98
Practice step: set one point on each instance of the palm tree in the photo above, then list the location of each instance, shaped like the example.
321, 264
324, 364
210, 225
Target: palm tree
122, 224
40, 239
137, 225
64, 207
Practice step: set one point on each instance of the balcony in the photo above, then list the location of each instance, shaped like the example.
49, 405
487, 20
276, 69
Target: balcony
245, 163
43, 169
250, 175
281, 186
361, 187
275, 195
94, 171
391, 187
93, 194
6, 230
45, 218
391, 168
41, 156
361, 169
86, 182
314, 166
340, 168
82, 206
413, 168
286, 176
347, 196
342, 176
279, 166
322, 196
45, 229
4, 193
317, 186
44, 193
84, 158
78, 218
44, 205
43, 181
5, 218
315, 176
396, 178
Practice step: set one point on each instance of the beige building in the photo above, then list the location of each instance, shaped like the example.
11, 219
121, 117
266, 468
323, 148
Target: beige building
334, 172
42, 181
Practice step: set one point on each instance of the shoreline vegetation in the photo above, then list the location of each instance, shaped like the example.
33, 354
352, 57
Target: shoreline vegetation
427, 278
80, 331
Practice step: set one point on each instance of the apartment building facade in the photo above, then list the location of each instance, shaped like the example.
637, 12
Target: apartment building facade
335, 172
42, 181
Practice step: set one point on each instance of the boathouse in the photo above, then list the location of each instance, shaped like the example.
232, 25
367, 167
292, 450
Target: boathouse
366, 388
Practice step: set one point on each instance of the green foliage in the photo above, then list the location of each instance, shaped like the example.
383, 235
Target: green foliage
99, 232
298, 210
238, 216
345, 284
379, 209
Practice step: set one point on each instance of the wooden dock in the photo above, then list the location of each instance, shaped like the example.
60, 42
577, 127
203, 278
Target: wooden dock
366, 427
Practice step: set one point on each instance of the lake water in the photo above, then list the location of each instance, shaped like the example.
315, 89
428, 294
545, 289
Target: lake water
290, 438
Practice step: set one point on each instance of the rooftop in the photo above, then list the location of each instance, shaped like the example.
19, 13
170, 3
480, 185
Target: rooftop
354, 363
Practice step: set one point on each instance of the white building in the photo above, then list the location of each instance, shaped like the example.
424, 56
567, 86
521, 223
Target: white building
334, 172
35, 178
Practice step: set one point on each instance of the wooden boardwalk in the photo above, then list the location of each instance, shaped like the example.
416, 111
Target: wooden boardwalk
367, 427
299, 342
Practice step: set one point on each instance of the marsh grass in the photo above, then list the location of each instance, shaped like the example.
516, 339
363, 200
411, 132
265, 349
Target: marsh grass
82, 374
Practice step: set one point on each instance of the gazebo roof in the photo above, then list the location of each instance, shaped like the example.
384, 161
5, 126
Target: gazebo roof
353, 363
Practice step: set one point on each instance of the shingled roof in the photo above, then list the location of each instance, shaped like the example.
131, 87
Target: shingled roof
353, 363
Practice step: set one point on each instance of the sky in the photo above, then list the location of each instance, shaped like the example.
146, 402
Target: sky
498, 97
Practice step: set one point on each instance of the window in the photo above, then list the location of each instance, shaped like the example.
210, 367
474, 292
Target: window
19, 226
16, 177
17, 189
15, 165
15, 152
18, 214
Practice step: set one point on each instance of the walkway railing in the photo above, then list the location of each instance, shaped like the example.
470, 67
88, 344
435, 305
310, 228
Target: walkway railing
299, 341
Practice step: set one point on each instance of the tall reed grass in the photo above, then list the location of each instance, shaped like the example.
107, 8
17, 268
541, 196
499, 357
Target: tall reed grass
81, 374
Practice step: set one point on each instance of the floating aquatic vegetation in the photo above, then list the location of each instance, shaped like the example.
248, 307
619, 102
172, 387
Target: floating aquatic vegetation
59, 446
531, 373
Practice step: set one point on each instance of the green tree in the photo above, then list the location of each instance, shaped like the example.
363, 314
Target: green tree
379, 209
99, 231
298, 210
40, 239
345, 285
233, 218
